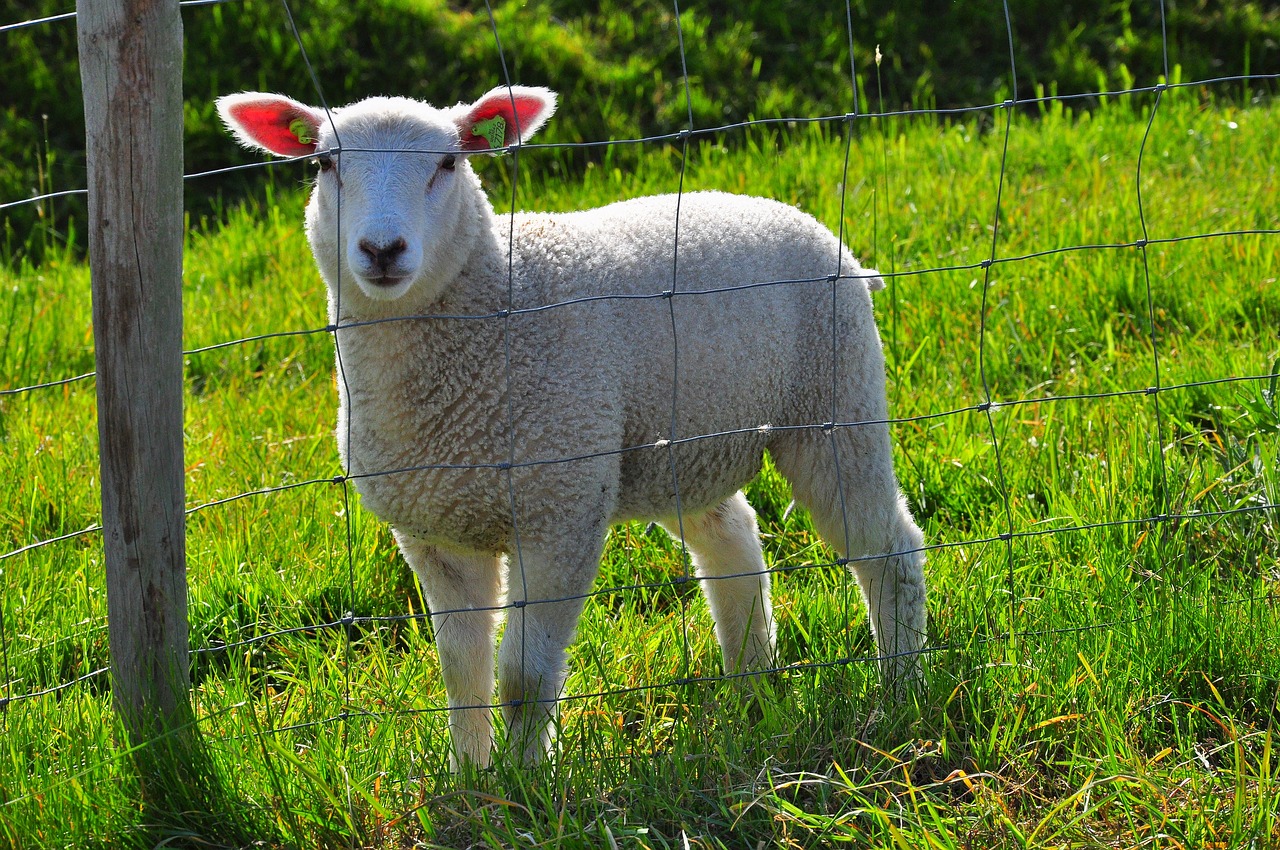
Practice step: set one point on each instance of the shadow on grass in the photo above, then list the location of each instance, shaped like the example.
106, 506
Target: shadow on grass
185, 800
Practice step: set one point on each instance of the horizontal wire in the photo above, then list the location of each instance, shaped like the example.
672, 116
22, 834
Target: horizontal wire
663, 445
680, 135
47, 384
502, 314
795, 667
799, 666
5, 702
68, 16
679, 581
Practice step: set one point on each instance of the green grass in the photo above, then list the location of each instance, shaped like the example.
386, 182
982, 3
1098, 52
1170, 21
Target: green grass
1109, 686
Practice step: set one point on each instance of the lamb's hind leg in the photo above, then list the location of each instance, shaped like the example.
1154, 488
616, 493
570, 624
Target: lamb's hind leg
726, 551
846, 481
463, 592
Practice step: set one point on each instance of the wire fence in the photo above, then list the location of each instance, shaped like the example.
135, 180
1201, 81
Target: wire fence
1165, 513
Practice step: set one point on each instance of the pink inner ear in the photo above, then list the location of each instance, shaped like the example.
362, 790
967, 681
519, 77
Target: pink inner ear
267, 123
527, 108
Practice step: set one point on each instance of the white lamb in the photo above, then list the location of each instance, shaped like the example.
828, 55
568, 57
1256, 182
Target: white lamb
559, 373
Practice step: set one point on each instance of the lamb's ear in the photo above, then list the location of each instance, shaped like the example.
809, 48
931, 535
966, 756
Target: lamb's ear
504, 117
272, 122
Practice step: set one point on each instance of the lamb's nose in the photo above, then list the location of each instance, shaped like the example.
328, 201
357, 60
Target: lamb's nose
383, 256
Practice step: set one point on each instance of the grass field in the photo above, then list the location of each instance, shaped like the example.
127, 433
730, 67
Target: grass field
1098, 679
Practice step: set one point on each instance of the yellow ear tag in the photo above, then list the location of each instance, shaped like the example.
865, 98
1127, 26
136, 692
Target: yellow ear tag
494, 130
301, 131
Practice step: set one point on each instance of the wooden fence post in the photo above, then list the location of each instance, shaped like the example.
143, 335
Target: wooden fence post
131, 69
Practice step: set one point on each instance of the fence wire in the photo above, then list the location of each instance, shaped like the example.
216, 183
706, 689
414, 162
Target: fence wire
506, 459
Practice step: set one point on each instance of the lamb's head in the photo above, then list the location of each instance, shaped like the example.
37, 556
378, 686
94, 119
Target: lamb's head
396, 206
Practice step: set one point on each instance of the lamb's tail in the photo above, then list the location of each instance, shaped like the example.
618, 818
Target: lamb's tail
874, 281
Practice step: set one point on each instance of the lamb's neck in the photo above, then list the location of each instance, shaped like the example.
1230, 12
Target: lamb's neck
423, 343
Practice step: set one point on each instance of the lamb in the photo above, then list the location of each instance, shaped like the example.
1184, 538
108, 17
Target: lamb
512, 386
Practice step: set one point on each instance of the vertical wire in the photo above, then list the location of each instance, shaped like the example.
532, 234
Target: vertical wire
843, 554
675, 352
853, 67
1162, 504
1013, 63
506, 366
1154, 390
891, 287
5, 680
342, 478
1164, 42
987, 406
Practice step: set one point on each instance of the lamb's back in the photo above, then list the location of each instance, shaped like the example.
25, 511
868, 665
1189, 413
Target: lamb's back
648, 324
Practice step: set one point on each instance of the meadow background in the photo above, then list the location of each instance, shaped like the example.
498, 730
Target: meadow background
1104, 561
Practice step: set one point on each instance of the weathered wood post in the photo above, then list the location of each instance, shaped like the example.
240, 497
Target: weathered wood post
131, 69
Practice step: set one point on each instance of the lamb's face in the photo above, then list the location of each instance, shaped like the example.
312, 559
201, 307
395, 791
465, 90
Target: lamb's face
394, 200
388, 196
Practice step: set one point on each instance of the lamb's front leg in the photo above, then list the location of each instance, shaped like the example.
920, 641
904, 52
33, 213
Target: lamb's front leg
547, 589
464, 592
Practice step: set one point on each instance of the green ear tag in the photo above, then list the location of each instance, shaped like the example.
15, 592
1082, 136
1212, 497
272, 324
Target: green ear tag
302, 130
493, 129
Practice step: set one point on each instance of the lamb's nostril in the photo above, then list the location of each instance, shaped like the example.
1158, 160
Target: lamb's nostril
383, 256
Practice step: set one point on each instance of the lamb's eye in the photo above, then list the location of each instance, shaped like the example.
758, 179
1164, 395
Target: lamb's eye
449, 162
325, 161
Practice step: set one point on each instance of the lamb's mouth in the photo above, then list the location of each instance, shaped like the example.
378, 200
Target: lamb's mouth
387, 281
